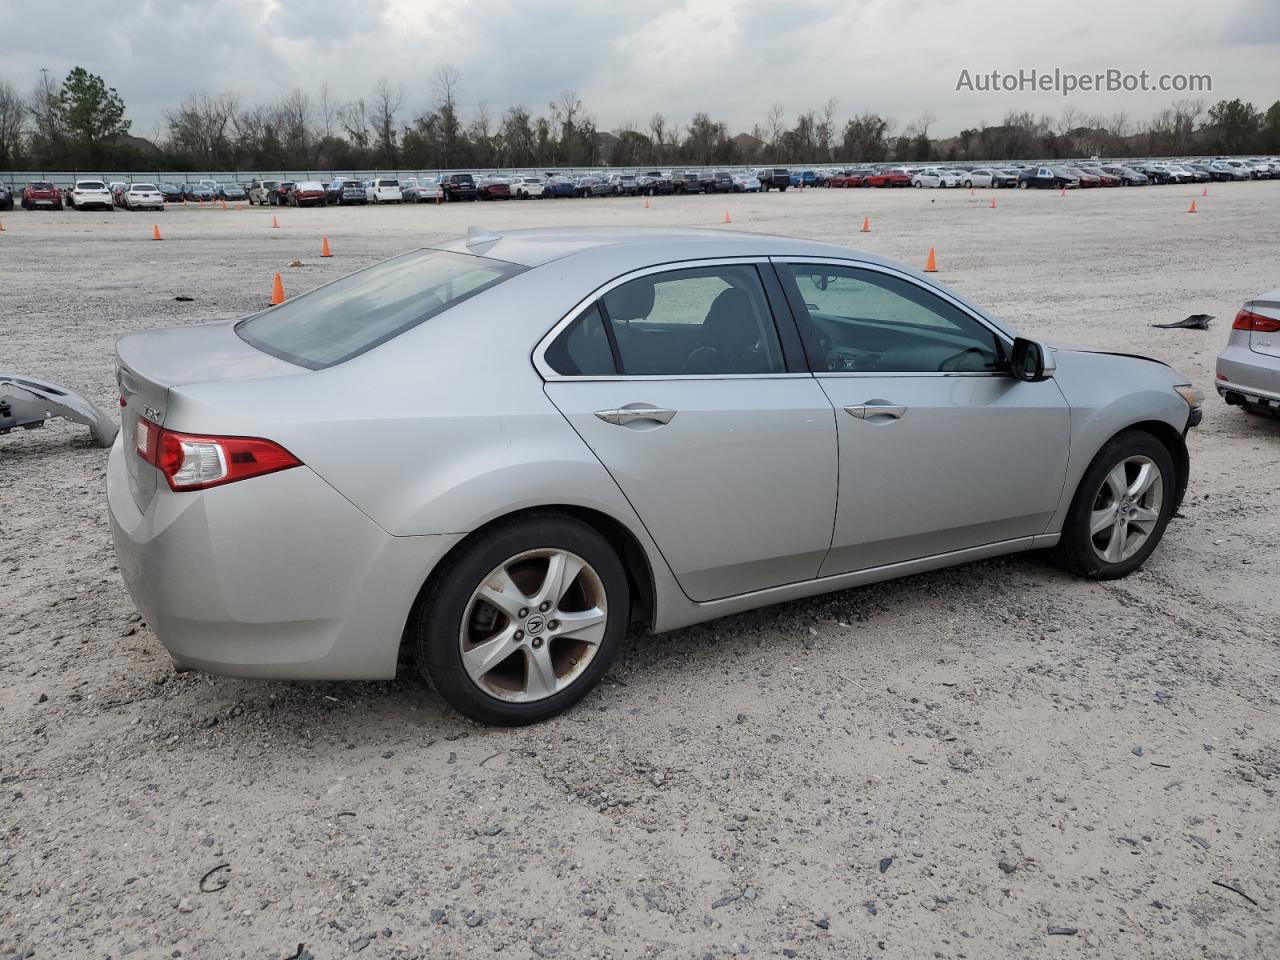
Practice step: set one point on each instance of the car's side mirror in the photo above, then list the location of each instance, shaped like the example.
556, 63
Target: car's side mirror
1031, 361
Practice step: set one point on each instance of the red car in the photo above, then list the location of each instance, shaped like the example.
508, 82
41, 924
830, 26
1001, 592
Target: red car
887, 178
846, 178
494, 188
41, 193
307, 193
1108, 179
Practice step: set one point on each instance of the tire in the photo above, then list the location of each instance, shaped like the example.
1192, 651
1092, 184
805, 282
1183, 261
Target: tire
452, 614
969, 184
1082, 552
1023, 185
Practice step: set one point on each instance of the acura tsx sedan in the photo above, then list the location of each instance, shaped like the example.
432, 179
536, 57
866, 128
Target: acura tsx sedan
494, 455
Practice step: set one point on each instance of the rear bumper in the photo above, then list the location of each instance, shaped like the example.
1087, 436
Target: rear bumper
274, 577
1249, 376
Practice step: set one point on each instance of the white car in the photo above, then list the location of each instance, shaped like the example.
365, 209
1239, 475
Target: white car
143, 196
746, 183
91, 193
976, 178
523, 188
383, 190
1235, 169
935, 177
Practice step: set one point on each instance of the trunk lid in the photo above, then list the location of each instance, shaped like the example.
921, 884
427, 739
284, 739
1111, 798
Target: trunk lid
1267, 305
149, 365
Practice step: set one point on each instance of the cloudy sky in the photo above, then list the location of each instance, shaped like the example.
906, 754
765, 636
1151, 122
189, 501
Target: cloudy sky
732, 58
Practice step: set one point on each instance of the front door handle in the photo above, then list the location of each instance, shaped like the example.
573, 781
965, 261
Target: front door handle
876, 408
630, 414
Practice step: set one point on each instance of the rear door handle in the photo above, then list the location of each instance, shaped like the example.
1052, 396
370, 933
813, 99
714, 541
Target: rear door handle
876, 408
630, 414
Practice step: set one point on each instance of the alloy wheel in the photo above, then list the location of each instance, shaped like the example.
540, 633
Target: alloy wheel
1126, 508
533, 625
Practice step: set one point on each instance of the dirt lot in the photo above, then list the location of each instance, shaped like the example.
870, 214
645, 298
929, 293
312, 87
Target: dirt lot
992, 761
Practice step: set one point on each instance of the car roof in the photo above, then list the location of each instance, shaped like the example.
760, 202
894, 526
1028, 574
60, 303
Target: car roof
636, 247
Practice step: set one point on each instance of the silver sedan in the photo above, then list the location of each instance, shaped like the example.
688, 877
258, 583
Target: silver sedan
1248, 369
498, 453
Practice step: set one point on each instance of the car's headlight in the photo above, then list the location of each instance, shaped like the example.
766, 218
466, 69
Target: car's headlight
1190, 394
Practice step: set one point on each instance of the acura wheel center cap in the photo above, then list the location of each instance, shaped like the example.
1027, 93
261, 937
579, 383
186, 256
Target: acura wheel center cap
533, 626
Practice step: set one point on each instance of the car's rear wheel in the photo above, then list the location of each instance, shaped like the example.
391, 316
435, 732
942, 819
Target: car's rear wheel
524, 621
1120, 509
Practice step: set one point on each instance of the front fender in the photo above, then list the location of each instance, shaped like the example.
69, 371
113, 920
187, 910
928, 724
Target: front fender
1108, 393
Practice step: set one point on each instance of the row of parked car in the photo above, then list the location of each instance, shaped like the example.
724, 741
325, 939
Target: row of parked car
100, 194
1056, 176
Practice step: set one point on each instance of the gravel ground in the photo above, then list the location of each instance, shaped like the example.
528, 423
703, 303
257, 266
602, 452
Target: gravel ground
993, 761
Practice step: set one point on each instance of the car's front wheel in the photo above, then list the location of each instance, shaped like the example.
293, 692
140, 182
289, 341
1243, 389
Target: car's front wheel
524, 621
1121, 508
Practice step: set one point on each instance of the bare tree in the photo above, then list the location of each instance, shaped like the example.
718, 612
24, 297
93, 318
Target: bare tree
355, 122
328, 111
445, 82
13, 123
45, 105
774, 125
658, 137
387, 101
201, 127
826, 130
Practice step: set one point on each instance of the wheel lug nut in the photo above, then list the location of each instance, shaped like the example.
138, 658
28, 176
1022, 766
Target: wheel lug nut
553, 625
524, 612
537, 643
544, 606
519, 634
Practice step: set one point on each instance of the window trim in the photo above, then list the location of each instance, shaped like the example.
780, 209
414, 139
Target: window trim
761, 263
792, 291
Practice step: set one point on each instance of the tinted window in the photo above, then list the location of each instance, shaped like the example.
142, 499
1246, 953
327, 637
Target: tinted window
582, 350
708, 320
864, 321
349, 316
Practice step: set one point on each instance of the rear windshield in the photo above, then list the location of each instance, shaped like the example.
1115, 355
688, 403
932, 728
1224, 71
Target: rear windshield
41, 185
357, 313
143, 187
388, 183
91, 185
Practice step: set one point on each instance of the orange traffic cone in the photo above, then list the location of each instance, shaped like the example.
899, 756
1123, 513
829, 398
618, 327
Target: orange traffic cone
727, 218
931, 265
1, 226
1204, 192
275, 223
324, 247
971, 192
993, 203
646, 203
155, 233
866, 224
277, 291
1064, 191
1192, 208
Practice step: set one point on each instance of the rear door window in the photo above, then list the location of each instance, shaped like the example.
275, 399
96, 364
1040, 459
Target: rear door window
357, 313
704, 321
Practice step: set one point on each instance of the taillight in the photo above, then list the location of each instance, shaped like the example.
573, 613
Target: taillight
191, 462
1248, 320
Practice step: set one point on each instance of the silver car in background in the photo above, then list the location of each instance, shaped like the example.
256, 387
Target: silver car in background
1248, 369
500, 452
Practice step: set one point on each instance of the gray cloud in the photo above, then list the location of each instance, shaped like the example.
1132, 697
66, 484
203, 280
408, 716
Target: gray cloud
732, 58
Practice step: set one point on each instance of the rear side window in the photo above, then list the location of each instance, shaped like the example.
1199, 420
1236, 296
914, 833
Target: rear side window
705, 321
582, 350
357, 313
